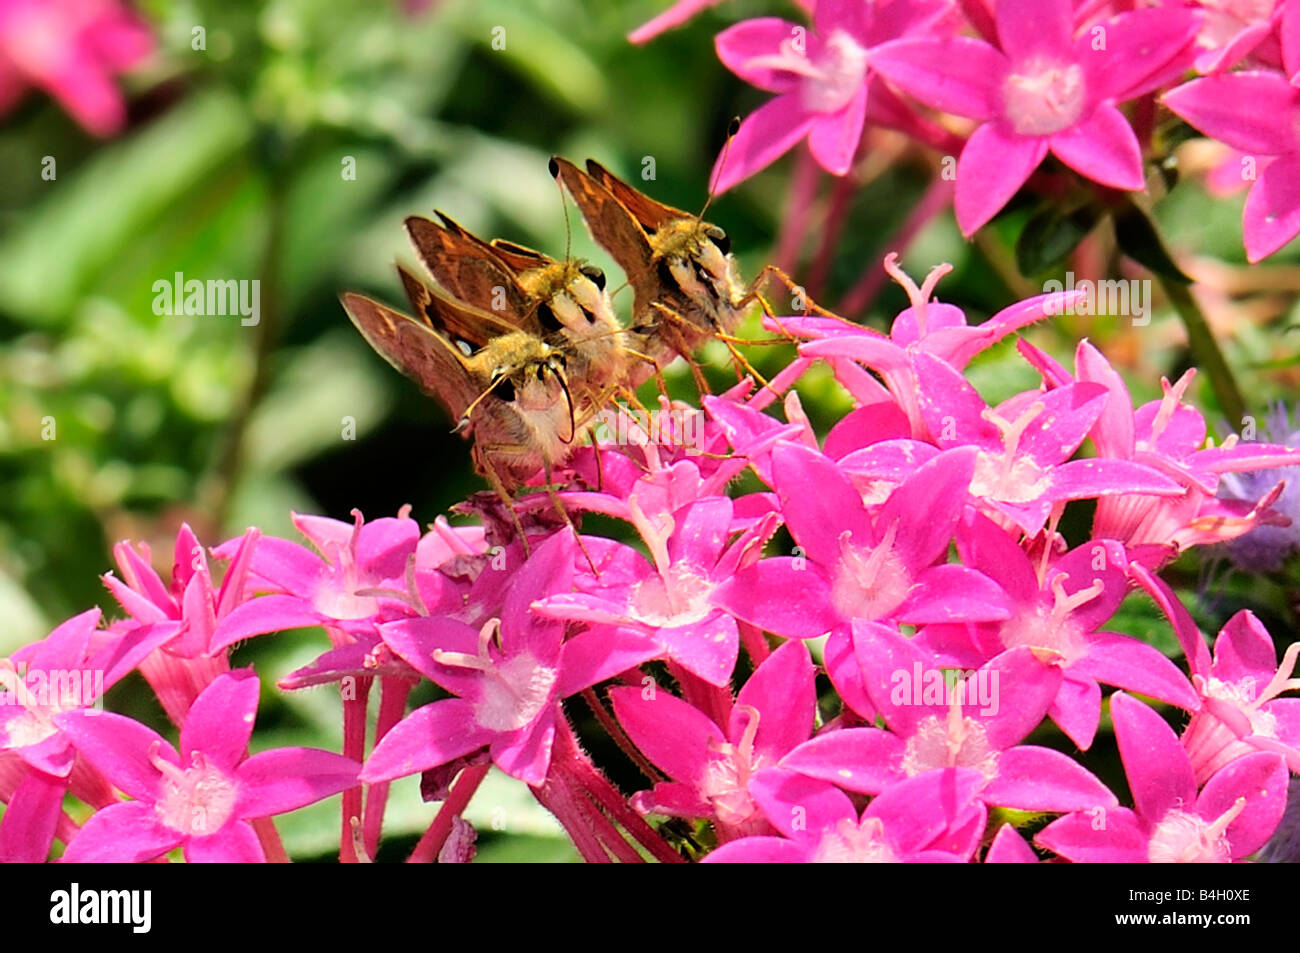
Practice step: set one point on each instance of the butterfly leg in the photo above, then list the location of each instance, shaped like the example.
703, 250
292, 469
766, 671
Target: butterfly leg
564, 514
771, 272
490, 472
681, 342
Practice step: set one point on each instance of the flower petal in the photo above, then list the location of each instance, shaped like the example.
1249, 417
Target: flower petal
993, 166
1103, 148
285, 779
426, 738
765, 135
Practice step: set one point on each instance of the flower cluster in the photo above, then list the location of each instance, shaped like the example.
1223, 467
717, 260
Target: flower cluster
911, 557
1007, 83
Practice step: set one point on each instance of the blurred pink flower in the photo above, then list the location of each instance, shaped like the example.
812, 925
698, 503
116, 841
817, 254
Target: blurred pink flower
71, 49
1258, 113
1041, 89
820, 75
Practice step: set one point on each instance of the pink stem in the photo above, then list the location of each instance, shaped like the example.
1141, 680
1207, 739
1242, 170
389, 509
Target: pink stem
599, 824
609, 798
841, 202
269, 838
457, 798
936, 198
393, 693
556, 798
354, 747
803, 193
616, 732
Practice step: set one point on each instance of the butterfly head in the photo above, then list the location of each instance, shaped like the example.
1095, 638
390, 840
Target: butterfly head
696, 256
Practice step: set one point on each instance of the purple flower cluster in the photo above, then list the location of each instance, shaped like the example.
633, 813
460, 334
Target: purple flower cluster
926, 581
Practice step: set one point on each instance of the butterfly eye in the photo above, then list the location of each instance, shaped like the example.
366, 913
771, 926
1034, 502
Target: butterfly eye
465, 347
719, 238
546, 317
595, 274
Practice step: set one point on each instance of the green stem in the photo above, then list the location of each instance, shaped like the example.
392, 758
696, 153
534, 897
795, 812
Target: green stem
1205, 349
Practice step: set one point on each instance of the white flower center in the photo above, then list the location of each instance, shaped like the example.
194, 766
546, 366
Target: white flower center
513, 691
850, 843
726, 776
952, 742
830, 80
1050, 627
195, 801
870, 583
679, 597
1183, 838
1009, 476
1042, 97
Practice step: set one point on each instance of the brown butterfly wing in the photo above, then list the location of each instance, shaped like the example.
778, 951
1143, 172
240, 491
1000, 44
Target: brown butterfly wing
613, 226
649, 214
417, 351
465, 266
520, 258
453, 319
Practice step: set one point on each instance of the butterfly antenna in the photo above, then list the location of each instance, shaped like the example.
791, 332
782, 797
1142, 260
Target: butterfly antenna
554, 168
464, 418
732, 129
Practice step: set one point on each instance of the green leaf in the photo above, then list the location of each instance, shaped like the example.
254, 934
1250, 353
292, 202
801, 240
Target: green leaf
1050, 235
78, 232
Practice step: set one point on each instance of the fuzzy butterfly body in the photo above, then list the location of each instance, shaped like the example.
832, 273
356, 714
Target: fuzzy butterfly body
505, 387
562, 302
684, 278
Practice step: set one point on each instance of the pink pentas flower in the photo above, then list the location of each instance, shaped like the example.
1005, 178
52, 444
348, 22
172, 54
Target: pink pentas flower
711, 768
72, 49
1022, 465
1059, 611
202, 798
976, 722
927, 326
190, 604
1240, 711
821, 78
1238, 687
671, 598
508, 677
856, 565
1167, 436
1040, 89
68, 670
933, 818
1233, 29
1228, 820
359, 567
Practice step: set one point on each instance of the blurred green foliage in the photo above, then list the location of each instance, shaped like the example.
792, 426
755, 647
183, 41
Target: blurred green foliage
117, 422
